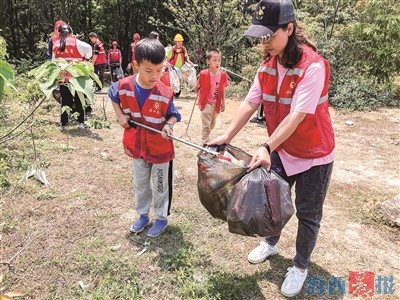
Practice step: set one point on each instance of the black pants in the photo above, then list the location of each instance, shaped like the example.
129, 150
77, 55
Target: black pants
99, 70
311, 187
73, 102
113, 72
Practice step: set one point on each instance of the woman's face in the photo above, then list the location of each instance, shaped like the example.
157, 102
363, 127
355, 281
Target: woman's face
278, 41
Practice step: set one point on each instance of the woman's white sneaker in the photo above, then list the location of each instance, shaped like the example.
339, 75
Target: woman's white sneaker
261, 252
293, 282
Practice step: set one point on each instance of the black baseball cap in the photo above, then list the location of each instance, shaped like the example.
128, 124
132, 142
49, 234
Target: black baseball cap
269, 16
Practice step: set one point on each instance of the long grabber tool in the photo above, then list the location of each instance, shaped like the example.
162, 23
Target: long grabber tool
233, 73
133, 124
190, 119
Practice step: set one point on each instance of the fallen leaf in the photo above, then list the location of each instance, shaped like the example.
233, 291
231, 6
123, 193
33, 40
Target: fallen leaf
83, 286
14, 294
116, 247
349, 122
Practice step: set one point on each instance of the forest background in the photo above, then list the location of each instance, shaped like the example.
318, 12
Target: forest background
359, 38
70, 241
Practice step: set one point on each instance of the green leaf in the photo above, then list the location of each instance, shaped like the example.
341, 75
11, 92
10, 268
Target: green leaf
82, 69
94, 76
6, 70
83, 85
6, 78
53, 77
46, 89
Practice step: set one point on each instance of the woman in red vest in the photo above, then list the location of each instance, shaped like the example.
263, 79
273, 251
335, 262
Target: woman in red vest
114, 59
292, 83
71, 49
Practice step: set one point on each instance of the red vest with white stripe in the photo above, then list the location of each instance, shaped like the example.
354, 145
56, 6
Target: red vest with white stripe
139, 142
101, 57
314, 136
114, 55
205, 87
70, 53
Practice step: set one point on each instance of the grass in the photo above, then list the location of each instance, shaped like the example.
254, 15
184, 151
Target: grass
89, 209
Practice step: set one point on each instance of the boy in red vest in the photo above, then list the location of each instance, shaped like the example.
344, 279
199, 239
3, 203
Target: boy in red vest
143, 98
211, 87
99, 58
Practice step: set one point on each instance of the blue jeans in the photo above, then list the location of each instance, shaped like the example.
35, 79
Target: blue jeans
311, 188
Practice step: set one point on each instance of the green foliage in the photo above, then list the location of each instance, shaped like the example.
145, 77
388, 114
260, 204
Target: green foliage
6, 79
204, 28
51, 74
4, 169
3, 48
375, 50
98, 124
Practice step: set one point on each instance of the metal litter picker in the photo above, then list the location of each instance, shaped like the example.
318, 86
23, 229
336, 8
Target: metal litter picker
133, 123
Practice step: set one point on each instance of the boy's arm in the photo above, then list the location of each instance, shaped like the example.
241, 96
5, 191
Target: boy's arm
114, 96
122, 118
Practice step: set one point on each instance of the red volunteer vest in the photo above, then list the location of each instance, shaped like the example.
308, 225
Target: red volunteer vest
114, 55
314, 137
101, 57
175, 54
139, 142
205, 89
70, 53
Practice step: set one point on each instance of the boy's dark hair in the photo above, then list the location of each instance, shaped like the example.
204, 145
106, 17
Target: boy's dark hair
92, 34
210, 52
154, 35
151, 50
293, 50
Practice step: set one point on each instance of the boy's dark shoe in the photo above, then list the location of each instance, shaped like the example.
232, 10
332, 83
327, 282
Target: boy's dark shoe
157, 228
140, 224
177, 94
258, 120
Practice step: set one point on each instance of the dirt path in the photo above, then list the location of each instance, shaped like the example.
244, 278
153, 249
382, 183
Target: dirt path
89, 208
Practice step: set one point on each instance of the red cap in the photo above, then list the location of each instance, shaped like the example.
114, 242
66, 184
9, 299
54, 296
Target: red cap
136, 35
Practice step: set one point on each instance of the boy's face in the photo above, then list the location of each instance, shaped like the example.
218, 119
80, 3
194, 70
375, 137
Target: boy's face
148, 73
215, 61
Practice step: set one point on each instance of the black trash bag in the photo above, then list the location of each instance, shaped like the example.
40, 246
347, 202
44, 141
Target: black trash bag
260, 204
216, 178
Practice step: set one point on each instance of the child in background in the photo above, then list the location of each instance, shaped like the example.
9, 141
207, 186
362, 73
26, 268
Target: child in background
211, 87
145, 99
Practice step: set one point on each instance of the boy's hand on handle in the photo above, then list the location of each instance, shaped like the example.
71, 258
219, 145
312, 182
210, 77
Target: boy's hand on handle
167, 131
123, 120
260, 158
